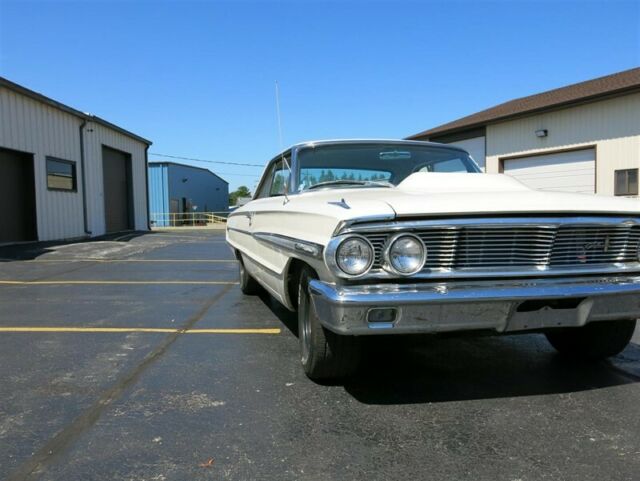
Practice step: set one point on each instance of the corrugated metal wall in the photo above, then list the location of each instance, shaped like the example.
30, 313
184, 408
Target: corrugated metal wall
41, 130
94, 141
205, 190
158, 192
612, 125
33, 127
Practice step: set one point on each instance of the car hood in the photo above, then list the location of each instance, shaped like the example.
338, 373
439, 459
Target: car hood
435, 194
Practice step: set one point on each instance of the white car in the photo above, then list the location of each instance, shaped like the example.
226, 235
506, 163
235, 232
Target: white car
378, 237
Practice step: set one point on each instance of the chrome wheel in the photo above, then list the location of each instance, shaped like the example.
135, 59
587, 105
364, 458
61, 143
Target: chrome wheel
304, 329
243, 273
248, 285
323, 354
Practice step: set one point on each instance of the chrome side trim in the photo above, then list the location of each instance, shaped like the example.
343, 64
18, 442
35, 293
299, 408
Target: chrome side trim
242, 231
290, 243
270, 211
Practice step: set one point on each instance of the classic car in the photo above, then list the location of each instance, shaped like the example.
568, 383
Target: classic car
366, 237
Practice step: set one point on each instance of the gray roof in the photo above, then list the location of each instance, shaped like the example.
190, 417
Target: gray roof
167, 162
65, 108
616, 84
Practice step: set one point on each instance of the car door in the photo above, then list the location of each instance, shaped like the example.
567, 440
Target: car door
266, 215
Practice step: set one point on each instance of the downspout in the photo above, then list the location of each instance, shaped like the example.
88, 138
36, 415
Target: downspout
84, 180
146, 181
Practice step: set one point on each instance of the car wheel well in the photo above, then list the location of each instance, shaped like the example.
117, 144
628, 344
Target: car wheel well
293, 278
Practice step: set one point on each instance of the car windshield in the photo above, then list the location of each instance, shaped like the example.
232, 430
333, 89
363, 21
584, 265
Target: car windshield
375, 164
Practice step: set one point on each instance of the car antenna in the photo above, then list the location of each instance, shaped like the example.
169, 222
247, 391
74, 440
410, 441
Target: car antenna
286, 163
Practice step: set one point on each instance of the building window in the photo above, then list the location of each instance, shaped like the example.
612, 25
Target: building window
626, 182
61, 174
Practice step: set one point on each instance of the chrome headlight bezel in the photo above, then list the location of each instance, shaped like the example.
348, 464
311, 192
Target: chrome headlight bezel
386, 260
331, 255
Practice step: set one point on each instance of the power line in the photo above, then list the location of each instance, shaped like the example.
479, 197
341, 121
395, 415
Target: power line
206, 160
242, 175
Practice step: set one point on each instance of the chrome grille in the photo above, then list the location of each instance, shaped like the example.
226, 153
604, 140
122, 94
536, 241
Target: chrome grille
482, 247
513, 246
595, 245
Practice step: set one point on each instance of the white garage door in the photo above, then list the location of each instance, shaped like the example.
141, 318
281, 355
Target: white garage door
573, 171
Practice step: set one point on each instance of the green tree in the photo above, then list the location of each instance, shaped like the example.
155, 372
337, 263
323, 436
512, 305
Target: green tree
242, 191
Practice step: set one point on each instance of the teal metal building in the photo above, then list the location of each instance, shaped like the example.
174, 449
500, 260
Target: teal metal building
179, 193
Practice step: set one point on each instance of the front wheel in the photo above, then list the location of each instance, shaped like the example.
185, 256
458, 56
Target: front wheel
325, 355
596, 340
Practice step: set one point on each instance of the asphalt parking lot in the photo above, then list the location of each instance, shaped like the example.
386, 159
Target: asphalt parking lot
138, 358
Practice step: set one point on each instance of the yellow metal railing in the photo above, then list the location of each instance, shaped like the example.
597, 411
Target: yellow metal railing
177, 219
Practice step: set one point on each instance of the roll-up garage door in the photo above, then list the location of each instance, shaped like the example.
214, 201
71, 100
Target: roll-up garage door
116, 170
573, 171
17, 197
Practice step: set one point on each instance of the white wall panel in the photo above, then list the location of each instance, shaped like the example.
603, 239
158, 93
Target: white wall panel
31, 126
612, 126
94, 141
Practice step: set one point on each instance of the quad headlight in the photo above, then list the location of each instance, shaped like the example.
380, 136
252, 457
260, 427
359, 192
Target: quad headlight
405, 254
354, 256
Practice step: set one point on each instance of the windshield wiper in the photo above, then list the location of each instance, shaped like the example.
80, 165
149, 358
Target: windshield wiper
349, 182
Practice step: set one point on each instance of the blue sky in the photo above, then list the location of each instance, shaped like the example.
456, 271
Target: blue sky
197, 78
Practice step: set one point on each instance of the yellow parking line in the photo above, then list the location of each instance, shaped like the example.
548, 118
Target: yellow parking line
234, 331
140, 329
91, 259
36, 283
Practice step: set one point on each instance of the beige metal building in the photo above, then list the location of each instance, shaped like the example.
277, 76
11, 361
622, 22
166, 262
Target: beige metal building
64, 173
579, 138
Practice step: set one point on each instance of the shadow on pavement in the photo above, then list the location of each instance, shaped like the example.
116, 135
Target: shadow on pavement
288, 318
32, 250
432, 368
436, 369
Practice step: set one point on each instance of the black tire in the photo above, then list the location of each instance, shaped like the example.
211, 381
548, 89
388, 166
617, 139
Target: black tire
596, 340
324, 354
248, 285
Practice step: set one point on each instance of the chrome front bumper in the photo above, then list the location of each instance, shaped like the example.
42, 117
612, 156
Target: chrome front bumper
502, 306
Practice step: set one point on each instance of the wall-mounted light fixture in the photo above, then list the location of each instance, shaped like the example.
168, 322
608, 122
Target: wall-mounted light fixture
542, 133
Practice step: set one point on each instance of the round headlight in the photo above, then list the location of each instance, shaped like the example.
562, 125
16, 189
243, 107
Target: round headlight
354, 256
406, 254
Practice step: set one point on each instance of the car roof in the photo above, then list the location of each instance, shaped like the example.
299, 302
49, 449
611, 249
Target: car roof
313, 143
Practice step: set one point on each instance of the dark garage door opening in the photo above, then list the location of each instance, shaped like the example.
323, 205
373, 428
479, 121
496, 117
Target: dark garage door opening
118, 202
17, 197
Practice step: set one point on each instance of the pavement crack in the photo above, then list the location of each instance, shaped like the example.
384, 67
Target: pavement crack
58, 444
